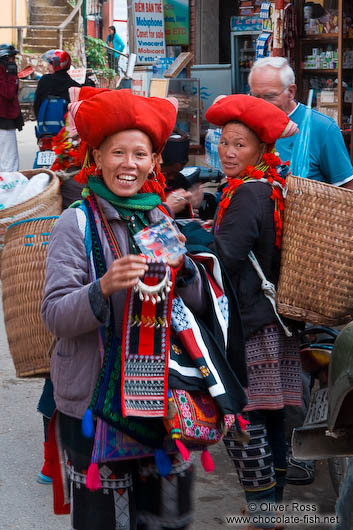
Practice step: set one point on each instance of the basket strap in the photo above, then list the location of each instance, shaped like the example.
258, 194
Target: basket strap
113, 243
269, 290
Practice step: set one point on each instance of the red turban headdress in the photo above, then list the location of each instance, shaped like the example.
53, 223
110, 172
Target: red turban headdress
96, 113
100, 114
267, 121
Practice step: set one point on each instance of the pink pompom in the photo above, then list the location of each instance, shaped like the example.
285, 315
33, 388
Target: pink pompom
93, 479
206, 461
182, 450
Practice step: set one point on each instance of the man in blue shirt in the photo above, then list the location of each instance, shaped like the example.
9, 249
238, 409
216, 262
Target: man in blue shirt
272, 79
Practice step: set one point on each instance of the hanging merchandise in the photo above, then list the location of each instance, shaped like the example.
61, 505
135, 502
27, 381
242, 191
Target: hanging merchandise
265, 11
290, 33
263, 45
211, 148
266, 14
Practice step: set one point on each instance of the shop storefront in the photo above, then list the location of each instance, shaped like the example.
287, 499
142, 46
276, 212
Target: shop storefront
317, 39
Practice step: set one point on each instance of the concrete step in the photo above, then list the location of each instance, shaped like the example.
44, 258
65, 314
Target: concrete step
53, 19
72, 28
55, 12
39, 48
36, 49
48, 14
43, 33
56, 8
51, 3
48, 42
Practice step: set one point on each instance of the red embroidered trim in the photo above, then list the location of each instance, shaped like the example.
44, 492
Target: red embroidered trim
267, 169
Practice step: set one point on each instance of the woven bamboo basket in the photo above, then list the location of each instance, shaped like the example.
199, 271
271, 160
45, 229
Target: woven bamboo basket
316, 277
48, 202
22, 275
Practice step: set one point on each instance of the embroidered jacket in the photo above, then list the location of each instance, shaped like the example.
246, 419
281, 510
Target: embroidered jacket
68, 313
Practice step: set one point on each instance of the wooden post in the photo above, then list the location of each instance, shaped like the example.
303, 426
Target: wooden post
20, 40
277, 50
340, 62
60, 31
192, 29
351, 143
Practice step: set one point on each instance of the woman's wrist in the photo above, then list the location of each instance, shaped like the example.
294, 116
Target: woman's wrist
104, 287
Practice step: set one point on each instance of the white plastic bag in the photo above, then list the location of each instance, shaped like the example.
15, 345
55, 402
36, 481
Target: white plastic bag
16, 188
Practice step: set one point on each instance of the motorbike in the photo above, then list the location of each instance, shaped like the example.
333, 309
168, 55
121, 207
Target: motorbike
323, 435
45, 155
203, 175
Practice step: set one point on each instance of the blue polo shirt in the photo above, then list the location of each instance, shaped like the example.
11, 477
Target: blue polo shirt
329, 159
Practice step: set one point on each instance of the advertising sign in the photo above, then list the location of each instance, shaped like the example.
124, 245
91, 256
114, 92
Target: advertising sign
77, 74
120, 21
176, 20
148, 31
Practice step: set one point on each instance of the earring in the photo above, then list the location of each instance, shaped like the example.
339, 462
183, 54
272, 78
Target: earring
98, 172
152, 175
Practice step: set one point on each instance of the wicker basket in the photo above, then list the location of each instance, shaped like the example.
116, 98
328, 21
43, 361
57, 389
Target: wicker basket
22, 275
316, 278
48, 202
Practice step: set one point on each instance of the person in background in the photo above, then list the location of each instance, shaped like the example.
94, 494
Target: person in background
174, 157
273, 80
57, 82
184, 200
248, 227
10, 112
114, 41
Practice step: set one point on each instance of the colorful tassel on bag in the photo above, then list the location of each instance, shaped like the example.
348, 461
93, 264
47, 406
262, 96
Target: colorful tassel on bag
93, 479
241, 433
163, 462
243, 423
182, 450
206, 461
87, 424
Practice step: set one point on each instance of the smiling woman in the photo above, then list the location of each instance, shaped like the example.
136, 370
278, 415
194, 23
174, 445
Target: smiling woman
125, 159
84, 304
110, 368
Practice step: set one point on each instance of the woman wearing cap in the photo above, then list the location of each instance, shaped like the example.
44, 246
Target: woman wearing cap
111, 358
10, 112
249, 221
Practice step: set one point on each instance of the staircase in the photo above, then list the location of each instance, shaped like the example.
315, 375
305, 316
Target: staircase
49, 13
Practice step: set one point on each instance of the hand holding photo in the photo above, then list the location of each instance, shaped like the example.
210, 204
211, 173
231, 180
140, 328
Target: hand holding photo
160, 241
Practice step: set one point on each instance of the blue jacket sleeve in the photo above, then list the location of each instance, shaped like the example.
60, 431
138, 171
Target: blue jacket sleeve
118, 44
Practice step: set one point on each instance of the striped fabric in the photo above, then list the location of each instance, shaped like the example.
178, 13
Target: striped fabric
274, 370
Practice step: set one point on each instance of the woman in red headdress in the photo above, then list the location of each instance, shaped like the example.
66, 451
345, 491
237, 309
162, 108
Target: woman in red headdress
114, 313
248, 239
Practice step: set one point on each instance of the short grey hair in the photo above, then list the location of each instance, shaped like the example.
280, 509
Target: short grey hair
286, 73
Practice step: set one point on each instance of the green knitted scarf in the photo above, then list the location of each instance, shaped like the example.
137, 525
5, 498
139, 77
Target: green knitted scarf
131, 209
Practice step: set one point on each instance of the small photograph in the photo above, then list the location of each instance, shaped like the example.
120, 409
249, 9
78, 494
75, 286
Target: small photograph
160, 241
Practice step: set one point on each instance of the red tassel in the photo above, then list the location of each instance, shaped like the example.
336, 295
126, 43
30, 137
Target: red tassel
206, 461
93, 479
47, 466
182, 450
243, 423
